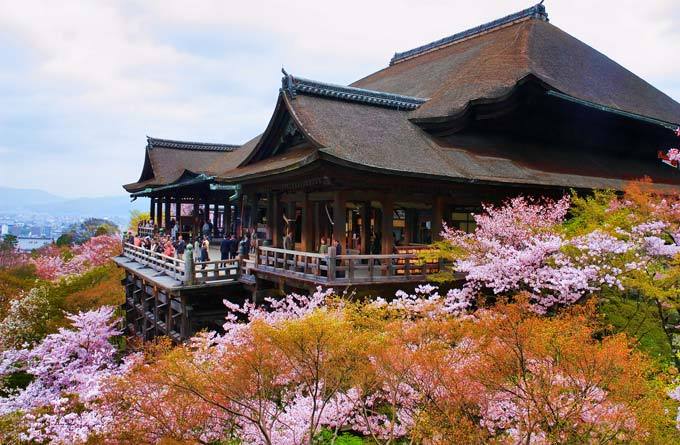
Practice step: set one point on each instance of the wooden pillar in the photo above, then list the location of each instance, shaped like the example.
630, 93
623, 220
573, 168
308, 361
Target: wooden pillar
226, 218
340, 219
152, 207
241, 214
195, 219
168, 316
275, 223
184, 323
178, 213
308, 234
317, 224
166, 216
155, 311
365, 213
214, 218
437, 217
409, 225
270, 216
290, 215
159, 212
387, 225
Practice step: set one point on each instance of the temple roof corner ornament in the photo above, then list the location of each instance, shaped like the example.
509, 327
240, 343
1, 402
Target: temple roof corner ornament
287, 83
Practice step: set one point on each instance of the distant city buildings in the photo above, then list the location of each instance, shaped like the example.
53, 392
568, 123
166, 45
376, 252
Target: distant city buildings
36, 230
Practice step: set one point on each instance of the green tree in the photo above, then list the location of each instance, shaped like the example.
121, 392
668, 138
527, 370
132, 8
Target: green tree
65, 239
9, 243
136, 216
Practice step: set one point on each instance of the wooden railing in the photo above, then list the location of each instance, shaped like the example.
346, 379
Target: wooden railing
341, 269
217, 270
173, 267
324, 269
195, 272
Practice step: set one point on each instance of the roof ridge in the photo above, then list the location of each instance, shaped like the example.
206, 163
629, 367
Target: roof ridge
537, 11
299, 85
187, 145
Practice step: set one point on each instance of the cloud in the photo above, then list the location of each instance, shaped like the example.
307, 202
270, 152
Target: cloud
85, 80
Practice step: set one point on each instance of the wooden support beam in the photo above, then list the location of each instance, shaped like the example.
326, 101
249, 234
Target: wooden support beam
340, 219
387, 225
178, 214
155, 306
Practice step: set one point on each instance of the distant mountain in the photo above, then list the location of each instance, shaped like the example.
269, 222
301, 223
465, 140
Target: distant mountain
38, 201
11, 198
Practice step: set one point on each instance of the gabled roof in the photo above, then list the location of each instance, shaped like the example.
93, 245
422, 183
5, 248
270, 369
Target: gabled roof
165, 161
488, 62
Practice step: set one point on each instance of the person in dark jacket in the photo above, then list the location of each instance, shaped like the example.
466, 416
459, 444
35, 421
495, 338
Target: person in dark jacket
233, 246
180, 246
225, 249
205, 248
244, 247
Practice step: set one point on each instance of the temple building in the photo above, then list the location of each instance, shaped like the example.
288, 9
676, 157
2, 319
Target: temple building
514, 106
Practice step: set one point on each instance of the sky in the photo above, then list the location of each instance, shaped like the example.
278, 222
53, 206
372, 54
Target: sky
83, 82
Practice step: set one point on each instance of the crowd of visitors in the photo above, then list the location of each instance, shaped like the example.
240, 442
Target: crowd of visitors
172, 243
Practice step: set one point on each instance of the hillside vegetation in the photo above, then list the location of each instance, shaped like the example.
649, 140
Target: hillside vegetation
564, 331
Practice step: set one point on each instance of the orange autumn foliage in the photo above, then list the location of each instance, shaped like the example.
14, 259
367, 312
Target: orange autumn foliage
503, 375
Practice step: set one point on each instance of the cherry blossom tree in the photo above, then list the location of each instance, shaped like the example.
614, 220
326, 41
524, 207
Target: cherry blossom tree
68, 370
94, 252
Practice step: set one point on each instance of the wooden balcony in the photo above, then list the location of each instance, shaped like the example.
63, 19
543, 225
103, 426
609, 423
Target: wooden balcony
173, 272
351, 269
270, 262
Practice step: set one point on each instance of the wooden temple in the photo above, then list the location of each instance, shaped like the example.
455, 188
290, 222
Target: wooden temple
514, 106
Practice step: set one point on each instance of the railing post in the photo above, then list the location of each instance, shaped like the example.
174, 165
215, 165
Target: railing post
189, 265
331, 263
258, 243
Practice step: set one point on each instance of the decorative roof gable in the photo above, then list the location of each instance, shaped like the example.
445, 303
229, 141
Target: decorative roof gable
537, 11
297, 85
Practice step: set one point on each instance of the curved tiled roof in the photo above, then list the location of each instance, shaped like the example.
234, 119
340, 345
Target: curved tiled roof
536, 11
489, 64
371, 125
166, 161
